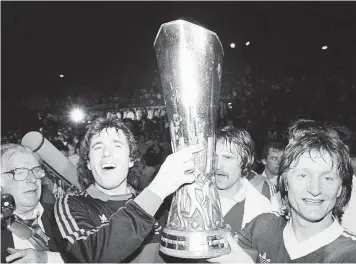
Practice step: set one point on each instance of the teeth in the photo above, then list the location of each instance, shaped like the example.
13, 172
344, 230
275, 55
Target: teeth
313, 201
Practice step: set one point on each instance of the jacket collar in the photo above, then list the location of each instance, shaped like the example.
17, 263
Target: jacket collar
95, 193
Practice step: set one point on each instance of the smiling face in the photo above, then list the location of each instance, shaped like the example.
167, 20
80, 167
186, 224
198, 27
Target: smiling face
228, 166
313, 185
26, 193
109, 159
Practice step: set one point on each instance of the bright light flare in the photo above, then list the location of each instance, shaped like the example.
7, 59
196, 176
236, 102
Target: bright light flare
324, 47
247, 43
77, 115
61, 75
232, 45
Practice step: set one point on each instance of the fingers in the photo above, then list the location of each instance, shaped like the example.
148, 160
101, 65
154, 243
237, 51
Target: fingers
12, 250
188, 166
186, 154
16, 255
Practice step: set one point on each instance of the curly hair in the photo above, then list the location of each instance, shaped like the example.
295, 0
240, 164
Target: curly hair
85, 175
321, 138
240, 143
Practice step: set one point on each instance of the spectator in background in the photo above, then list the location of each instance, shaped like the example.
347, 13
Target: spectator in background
61, 147
266, 183
154, 154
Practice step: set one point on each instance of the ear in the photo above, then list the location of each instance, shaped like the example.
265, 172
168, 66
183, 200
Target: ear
264, 162
88, 165
285, 182
131, 163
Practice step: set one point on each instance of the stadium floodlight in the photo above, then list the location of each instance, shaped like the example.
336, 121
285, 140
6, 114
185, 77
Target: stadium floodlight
247, 43
324, 47
232, 45
77, 115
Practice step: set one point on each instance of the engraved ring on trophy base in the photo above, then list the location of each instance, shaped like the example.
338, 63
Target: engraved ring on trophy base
195, 244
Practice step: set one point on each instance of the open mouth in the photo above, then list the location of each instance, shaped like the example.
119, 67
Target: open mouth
31, 191
220, 176
313, 201
108, 166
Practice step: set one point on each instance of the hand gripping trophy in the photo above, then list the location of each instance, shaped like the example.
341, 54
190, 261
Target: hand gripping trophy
190, 60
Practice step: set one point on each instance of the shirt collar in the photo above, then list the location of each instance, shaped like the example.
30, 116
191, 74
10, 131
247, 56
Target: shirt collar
241, 194
37, 212
264, 173
298, 250
95, 193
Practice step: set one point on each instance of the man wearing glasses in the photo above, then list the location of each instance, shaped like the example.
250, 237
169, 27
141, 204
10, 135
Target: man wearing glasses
26, 235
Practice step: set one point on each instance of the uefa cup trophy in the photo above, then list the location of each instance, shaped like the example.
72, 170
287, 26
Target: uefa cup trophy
189, 61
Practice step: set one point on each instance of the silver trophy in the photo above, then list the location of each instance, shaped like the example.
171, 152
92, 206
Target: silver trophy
190, 60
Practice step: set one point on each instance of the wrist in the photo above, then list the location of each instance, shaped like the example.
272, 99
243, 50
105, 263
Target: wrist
158, 189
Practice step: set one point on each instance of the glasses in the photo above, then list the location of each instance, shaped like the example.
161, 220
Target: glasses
21, 174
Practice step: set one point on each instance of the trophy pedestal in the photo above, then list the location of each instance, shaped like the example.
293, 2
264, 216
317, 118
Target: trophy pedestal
194, 244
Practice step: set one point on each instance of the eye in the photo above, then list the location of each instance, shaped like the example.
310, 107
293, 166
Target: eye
97, 147
328, 178
118, 145
302, 175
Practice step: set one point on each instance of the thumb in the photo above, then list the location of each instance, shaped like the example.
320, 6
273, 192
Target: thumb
12, 250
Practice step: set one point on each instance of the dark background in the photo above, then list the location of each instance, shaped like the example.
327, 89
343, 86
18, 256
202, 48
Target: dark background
107, 44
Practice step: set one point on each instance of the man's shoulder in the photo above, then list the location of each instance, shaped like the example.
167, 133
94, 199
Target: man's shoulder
348, 237
258, 181
258, 197
79, 200
342, 249
272, 221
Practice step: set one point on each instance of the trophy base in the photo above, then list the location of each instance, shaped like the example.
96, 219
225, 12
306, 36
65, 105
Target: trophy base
194, 244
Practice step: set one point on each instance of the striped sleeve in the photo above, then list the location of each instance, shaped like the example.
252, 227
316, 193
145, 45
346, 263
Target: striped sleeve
82, 241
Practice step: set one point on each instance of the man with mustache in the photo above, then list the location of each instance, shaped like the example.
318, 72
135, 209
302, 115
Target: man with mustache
240, 201
108, 222
21, 175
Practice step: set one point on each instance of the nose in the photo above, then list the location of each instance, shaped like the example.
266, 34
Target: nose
107, 152
315, 187
217, 163
31, 177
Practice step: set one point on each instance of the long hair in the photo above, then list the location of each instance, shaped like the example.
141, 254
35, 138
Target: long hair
320, 138
240, 143
85, 175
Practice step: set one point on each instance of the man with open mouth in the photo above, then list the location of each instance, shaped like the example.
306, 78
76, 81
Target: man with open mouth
108, 222
240, 200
